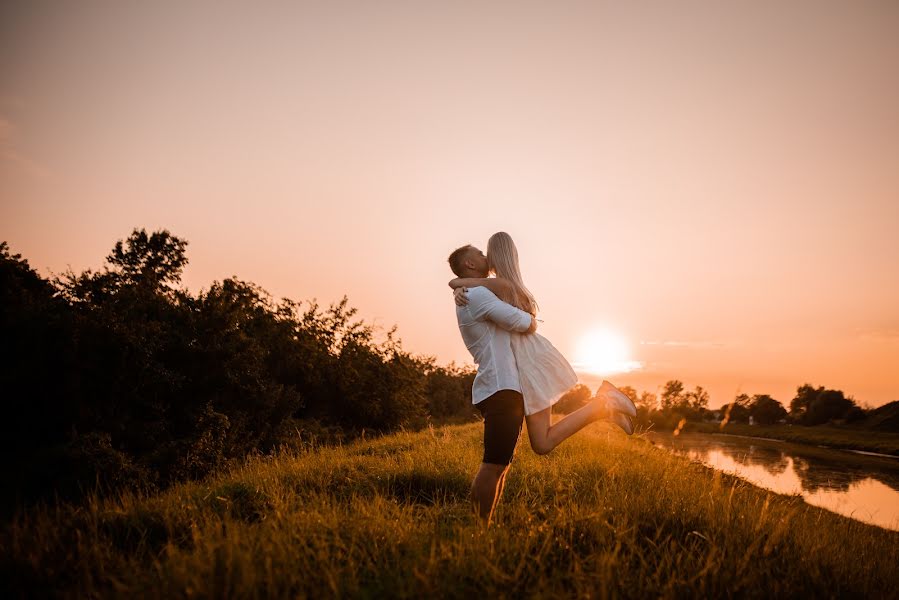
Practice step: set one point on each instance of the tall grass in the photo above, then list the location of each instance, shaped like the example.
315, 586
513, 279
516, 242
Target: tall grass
602, 516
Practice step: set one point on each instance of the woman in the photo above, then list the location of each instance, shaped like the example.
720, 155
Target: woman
544, 373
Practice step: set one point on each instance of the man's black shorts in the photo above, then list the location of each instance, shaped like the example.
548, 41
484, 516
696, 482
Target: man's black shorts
503, 416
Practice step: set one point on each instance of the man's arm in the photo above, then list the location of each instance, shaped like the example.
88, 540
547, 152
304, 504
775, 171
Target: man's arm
485, 306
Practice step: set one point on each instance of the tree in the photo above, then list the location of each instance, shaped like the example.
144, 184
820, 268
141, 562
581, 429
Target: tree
697, 400
647, 401
805, 394
815, 406
156, 259
673, 395
573, 399
120, 376
37, 353
765, 410
743, 400
829, 405
449, 390
736, 411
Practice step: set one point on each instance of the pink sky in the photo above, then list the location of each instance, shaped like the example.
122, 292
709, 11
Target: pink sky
719, 184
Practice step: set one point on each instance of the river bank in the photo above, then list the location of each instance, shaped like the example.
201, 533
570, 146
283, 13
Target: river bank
859, 486
844, 438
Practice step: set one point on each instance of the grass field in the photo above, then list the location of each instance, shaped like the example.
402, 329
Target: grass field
847, 438
603, 516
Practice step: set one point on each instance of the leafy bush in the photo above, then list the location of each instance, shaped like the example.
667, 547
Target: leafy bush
119, 375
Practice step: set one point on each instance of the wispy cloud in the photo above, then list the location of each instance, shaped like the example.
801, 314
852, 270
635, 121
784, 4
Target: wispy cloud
608, 367
11, 156
683, 343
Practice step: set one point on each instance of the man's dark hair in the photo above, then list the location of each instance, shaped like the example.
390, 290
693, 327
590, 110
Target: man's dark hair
458, 257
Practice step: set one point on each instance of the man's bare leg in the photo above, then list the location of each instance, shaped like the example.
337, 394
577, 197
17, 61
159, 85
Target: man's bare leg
545, 436
486, 489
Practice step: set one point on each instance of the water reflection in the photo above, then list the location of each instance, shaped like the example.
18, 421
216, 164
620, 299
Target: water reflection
862, 487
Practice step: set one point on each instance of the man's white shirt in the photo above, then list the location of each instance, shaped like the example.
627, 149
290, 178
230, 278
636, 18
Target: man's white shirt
485, 323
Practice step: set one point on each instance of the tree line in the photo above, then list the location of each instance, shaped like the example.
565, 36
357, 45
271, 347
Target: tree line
810, 406
120, 375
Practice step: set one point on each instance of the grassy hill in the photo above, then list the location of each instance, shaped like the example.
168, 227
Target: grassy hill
884, 418
603, 515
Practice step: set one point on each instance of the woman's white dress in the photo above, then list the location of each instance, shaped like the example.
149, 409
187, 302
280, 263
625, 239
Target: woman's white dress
543, 372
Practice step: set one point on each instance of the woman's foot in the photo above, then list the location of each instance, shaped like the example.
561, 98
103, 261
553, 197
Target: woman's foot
617, 400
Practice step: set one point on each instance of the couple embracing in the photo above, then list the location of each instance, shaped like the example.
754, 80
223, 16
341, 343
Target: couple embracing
520, 373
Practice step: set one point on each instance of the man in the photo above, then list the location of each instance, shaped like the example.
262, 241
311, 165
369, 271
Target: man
485, 323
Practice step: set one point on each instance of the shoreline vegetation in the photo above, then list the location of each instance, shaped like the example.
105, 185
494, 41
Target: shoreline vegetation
837, 438
603, 515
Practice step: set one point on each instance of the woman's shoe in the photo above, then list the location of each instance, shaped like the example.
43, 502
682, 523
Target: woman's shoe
617, 400
623, 421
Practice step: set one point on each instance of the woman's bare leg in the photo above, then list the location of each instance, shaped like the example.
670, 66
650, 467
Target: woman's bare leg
545, 436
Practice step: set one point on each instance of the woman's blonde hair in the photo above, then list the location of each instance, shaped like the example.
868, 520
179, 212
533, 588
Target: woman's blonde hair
502, 256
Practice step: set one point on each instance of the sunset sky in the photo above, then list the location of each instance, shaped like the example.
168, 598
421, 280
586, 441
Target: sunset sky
715, 185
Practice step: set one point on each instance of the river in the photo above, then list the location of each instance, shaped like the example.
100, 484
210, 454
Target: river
858, 486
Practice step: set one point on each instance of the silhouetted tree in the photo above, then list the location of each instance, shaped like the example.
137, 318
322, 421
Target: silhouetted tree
698, 399
123, 377
765, 410
37, 378
736, 411
829, 405
815, 406
799, 405
743, 400
673, 394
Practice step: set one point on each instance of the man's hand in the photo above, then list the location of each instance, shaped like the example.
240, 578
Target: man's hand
460, 297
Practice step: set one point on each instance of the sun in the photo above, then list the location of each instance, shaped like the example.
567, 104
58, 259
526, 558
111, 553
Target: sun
604, 352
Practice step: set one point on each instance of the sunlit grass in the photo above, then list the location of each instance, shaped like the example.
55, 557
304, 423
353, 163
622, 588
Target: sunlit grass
602, 515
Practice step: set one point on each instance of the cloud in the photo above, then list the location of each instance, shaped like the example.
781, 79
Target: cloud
609, 368
682, 344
